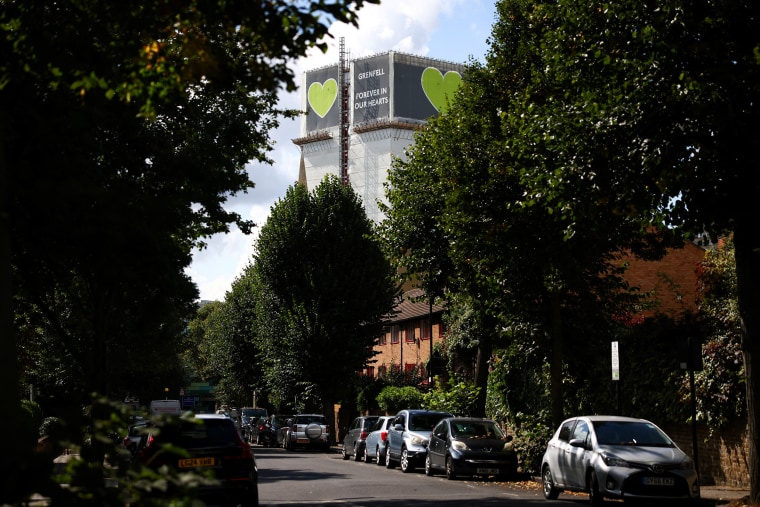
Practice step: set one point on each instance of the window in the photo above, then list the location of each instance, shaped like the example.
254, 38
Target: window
395, 332
370, 371
409, 367
565, 431
409, 332
382, 370
382, 338
424, 329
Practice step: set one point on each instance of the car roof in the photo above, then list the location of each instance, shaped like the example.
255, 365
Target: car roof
613, 418
465, 419
210, 416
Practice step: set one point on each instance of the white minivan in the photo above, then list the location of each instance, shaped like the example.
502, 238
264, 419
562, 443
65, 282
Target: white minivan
169, 407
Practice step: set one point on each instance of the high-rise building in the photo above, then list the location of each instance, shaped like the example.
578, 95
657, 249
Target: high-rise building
363, 113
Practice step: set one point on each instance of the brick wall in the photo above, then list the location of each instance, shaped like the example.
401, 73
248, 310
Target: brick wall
723, 456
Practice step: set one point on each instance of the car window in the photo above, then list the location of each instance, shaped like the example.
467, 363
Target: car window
308, 419
630, 433
208, 433
565, 430
476, 429
369, 423
423, 422
580, 432
441, 430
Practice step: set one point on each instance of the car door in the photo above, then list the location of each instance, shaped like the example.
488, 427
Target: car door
395, 436
350, 440
437, 445
576, 459
560, 449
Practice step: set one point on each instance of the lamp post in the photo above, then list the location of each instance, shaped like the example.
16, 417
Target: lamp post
166, 392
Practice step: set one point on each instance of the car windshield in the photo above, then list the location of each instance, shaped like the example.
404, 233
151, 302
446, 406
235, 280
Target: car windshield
475, 429
424, 422
636, 433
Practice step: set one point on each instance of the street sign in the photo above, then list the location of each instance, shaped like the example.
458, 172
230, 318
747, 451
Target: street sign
615, 362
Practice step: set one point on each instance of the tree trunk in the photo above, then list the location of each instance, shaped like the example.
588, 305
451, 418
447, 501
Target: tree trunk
16, 450
557, 358
485, 349
747, 255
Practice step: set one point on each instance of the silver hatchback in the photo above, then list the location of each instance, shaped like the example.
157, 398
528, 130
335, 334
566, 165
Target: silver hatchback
617, 457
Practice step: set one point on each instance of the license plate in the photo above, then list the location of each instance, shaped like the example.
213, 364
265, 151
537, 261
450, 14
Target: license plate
196, 462
302, 441
659, 481
487, 471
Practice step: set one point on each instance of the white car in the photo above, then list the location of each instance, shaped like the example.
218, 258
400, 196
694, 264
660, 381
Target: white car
617, 457
408, 438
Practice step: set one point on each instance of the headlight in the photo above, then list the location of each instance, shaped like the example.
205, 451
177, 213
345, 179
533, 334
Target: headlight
458, 445
687, 464
613, 461
418, 441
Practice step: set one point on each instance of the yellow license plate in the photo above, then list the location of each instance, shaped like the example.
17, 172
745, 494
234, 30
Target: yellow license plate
196, 462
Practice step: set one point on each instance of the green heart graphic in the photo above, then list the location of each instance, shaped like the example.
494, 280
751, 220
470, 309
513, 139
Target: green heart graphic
322, 97
440, 88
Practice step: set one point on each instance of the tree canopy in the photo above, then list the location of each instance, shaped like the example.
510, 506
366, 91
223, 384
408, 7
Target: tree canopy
325, 291
124, 127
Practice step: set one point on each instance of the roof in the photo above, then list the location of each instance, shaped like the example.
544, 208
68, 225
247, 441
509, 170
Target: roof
408, 308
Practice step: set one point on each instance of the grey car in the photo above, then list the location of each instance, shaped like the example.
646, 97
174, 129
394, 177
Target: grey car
308, 430
408, 438
374, 447
355, 440
617, 457
470, 446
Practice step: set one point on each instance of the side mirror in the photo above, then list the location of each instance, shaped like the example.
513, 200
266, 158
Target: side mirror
578, 442
398, 427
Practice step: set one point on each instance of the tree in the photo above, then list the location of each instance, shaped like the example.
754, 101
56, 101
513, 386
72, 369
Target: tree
658, 107
132, 123
511, 251
325, 290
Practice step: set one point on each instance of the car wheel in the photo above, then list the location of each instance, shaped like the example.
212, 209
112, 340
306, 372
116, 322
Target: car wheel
406, 465
450, 473
344, 453
366, 456
428, 466
595, 498
380, 458
388, 461
547, 481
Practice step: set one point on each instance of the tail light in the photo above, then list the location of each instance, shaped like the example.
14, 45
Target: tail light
383, 435
126, 442
327, 429
363, 435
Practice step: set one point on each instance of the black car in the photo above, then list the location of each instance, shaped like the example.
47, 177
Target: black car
208, 444
354, 443
271, 435
470, 446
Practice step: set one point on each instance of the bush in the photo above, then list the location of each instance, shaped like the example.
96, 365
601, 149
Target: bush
392, 399
459, 398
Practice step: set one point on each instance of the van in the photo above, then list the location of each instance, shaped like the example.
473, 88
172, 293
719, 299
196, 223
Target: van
171, 407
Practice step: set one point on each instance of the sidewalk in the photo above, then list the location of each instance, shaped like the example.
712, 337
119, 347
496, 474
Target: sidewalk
723, 494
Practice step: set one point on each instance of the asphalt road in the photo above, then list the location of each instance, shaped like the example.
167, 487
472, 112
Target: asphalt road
317, 478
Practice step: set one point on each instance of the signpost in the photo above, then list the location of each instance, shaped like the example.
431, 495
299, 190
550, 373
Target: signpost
616, 372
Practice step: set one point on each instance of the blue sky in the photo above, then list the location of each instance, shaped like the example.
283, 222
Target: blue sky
452, 30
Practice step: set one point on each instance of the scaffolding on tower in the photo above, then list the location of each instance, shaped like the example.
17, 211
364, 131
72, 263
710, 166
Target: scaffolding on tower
344, 75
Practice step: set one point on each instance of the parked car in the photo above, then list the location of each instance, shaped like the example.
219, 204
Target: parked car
617, 457
308, 430
211, 443
469, 446
408, 438
270, 435
374, 447
355, 440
